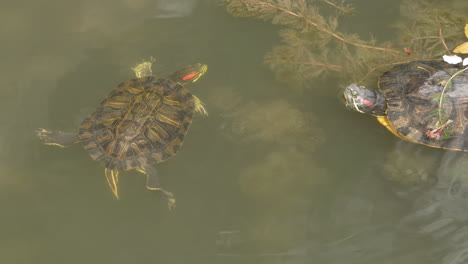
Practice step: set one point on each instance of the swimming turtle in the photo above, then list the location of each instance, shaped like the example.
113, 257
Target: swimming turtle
141, 122
424, 102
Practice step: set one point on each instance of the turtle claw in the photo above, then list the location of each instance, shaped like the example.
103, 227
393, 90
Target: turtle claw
199, 107
169, 197
43, 134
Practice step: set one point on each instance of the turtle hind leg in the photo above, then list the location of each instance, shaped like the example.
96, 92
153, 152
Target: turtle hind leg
57, 138
153, 184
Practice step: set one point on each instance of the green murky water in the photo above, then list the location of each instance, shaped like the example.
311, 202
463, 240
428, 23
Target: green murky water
273, 174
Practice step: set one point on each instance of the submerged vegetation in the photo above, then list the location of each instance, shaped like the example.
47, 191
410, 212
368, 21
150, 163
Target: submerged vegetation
313, 45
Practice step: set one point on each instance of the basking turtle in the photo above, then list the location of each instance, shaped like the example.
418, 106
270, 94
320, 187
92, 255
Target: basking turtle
141, 122
424, 102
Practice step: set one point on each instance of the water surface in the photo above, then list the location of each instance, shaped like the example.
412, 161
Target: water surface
274, 174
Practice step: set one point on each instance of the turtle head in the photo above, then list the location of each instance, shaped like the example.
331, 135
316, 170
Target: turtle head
363, 100
189, 74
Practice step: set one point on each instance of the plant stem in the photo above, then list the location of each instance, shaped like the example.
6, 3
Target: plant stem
441, 36
318, 64
324, 30
449, 81
338, 7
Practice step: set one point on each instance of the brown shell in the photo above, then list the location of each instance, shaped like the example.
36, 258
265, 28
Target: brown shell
413, 90
142, 121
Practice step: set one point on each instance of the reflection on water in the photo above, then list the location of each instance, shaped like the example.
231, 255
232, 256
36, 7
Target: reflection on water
273, 175
174, 8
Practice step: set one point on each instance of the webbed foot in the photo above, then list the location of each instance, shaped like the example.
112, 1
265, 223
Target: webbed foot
169, 198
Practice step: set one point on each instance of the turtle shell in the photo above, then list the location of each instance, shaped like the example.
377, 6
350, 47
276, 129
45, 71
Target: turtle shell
142, 121
415, 110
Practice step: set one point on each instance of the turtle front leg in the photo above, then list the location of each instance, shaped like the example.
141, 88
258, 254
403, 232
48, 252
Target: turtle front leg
57, 138
153, 184
199, 108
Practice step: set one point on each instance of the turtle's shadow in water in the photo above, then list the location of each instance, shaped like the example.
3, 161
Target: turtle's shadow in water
440, 210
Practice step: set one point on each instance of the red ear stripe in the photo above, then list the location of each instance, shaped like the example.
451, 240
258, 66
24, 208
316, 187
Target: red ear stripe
190, 76
369, 104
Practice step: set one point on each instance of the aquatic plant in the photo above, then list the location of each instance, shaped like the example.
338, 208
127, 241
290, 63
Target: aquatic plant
282, 175
275, 122
313, 46
429, 28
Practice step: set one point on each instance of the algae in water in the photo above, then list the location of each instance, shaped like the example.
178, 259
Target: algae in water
313, 45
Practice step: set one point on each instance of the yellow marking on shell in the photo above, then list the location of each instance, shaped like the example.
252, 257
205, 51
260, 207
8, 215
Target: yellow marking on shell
167, 120
169, 152
136, 148
123, 149
88, 124
444, 148
133, 90
116, 104
90, 145
104, 137
384, 121
86, 134
199, 108
119, 98
108, 122
424, 69
112, 177
171, 102
137, 112
153, 135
